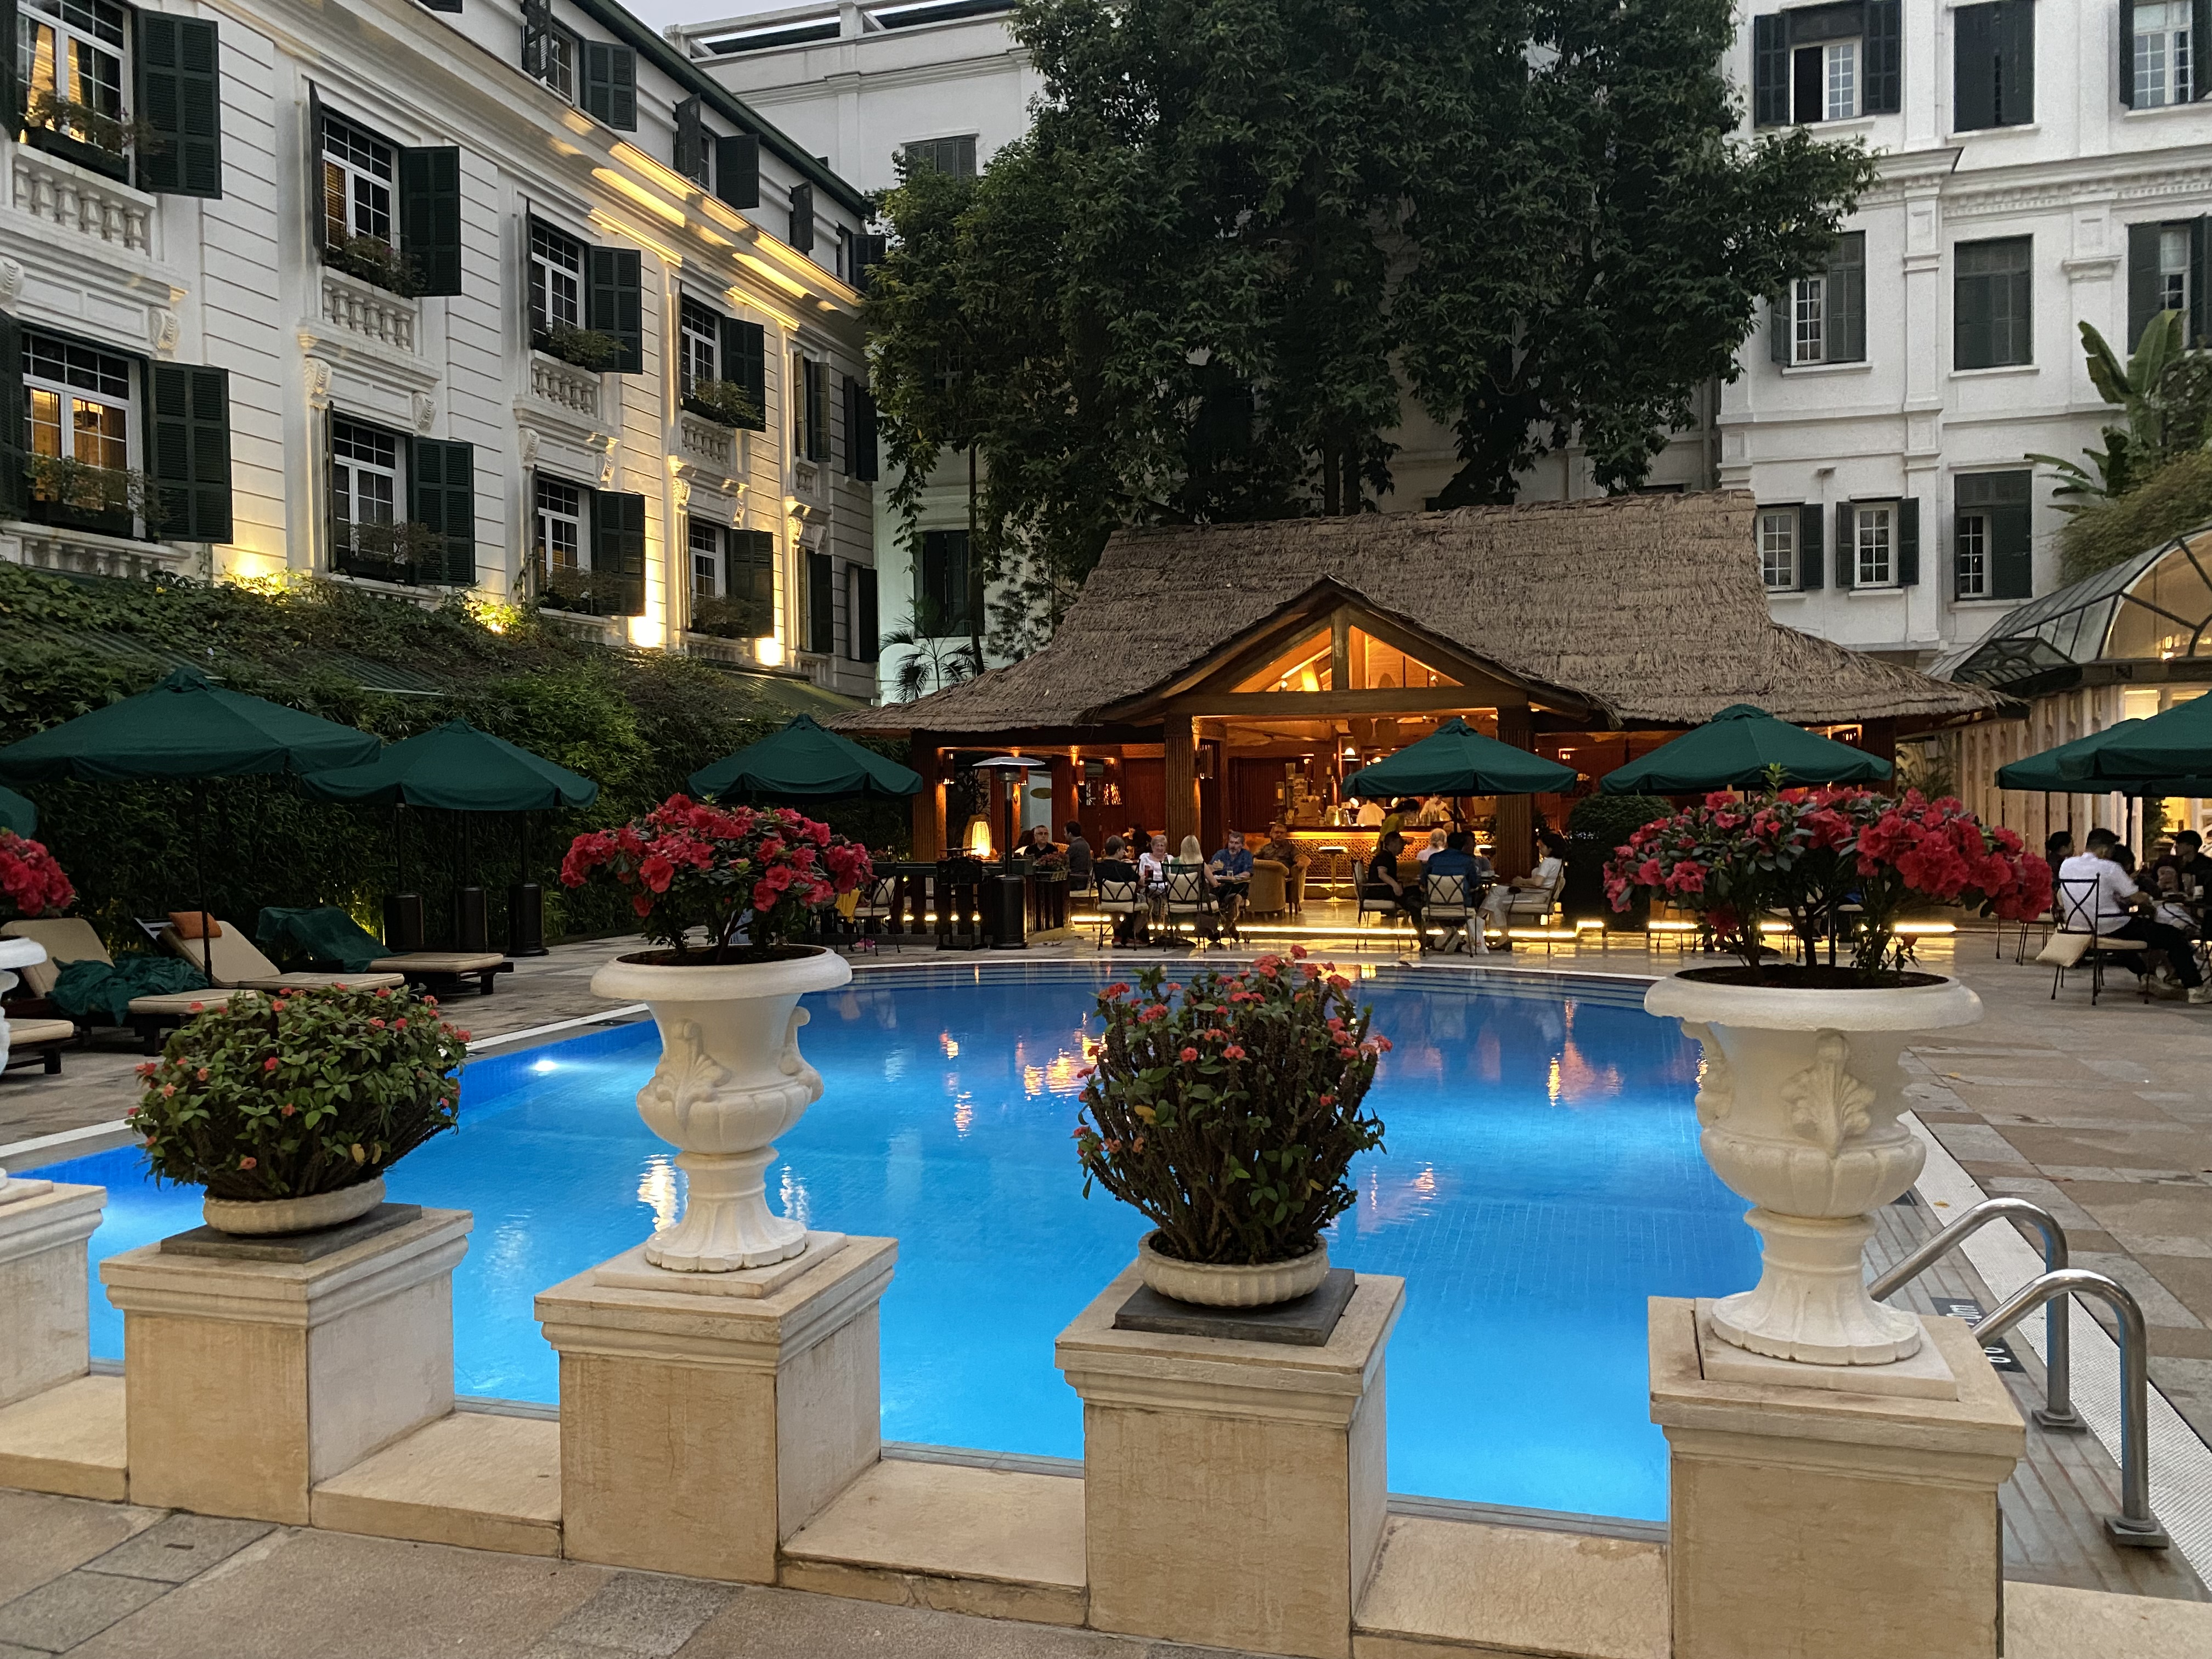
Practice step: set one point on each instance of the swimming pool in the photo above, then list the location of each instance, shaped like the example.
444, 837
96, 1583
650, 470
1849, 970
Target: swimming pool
1542, 1179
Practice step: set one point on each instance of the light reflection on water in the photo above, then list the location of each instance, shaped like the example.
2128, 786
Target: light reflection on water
1540, 1181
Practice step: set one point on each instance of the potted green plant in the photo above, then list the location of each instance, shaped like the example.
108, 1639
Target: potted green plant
730, 1078
289, 1108
1596, 829
723, 402
1228, 1111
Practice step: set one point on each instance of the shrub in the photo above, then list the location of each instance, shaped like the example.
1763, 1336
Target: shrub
2176, 498
376, 261
724, 402
1228, 1111
302, 1092
1610, 818
580, 348
30, 879
687, 864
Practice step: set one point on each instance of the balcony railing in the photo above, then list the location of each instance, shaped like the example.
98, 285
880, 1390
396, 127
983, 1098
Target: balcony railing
565, 386
62, 196
87, 555
362, 308
708, 445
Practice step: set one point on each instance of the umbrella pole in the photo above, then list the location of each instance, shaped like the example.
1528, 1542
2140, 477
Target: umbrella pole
199, 877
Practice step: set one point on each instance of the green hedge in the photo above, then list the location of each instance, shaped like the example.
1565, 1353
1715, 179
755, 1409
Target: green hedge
2175, 498
639, 722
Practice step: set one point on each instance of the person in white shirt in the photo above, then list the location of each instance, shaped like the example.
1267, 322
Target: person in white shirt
1498, 902
1436, 845
2094, 894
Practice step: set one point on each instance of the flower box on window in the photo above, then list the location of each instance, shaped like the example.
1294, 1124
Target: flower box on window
724, 403
580, 347
376, 261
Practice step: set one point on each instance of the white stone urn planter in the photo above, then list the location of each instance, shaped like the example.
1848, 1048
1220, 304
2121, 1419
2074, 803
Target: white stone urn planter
1799, 1103
729, 1082
1259, 1285
254, 1217
15, 953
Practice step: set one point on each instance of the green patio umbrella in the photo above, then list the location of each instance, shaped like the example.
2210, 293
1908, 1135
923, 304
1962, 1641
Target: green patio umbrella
18, 814
2052, 771
1458, 760
459, 769
2164, 749
2081, 768
1734, 750
804, 760
185, 730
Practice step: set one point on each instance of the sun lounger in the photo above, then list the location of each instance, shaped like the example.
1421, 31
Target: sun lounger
38, 1043
235, 963
71, 938
327, 933
446, 968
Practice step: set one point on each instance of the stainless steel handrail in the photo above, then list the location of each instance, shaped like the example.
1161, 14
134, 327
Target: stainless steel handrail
2057, 1412
2135, 1525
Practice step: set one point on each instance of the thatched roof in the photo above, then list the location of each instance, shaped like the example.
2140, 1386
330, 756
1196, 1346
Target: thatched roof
1647, 607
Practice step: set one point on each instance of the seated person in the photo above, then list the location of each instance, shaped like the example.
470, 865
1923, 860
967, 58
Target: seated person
1385, 881
2183, 868
1455, 858
1229, 871
1079, 857
1431, 846
1115, 866
1294, 859
2096, 894
1036, 846
1498, 902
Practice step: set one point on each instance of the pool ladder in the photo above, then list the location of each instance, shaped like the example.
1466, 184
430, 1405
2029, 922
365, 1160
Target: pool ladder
2135, 1525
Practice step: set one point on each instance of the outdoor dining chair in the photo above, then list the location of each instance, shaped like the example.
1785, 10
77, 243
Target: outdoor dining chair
1117, 899
1447, 907
2078, 940
1188, 900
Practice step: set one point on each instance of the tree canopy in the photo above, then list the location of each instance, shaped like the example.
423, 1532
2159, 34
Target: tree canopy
1241, 232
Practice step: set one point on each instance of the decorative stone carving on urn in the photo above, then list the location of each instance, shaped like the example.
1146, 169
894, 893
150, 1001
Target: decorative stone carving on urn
1798, 1105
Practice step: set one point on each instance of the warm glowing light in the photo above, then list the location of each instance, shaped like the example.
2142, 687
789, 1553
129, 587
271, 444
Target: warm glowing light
1308, 680
1590, 925
657, 1187
963, 1111
1670, 927
1926, 929
644, 198
768, 651
949, 1044
1032, 1080
645, 633
979, 837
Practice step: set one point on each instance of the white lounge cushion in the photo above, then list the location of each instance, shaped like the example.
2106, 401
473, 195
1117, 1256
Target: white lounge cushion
26, 1033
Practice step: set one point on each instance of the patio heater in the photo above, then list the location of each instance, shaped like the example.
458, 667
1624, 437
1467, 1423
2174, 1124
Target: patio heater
1005, 896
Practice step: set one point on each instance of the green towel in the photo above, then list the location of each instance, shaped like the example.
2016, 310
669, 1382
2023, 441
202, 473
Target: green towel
101, 991
327, 935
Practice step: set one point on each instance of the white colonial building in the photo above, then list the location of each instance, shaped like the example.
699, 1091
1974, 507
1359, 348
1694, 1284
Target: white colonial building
448, 297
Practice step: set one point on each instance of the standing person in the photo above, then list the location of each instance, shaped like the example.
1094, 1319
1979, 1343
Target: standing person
1079, 857
1115, 866
1394, 821
1294, 859
2096, 894
1231, 871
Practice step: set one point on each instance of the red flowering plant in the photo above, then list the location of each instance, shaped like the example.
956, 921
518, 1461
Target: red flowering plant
1806, 853
32, 882
1228, 1110
687, 864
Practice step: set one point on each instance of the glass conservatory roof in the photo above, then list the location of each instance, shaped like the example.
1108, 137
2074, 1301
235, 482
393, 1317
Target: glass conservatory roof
2153, 607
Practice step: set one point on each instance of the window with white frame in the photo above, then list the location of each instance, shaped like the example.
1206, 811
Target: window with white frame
70, 65
556, 277
700, 343
1807, 335
1974, 556
706, 543
557, 63
1874, 529
2173, 268
1839, 79
559, 533
1777, 547
2165, 65
359, 174
364, 487
79, 402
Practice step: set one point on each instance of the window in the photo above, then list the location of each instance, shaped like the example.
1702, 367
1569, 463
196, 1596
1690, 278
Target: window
820, 605
733, 581
2173, 268
1777, 547
802, 218
940, 599
556, 278
109, 86
364, 477
810, 410
863, 628
577, 291
1990, 309
2166, 272
860, 431
706, 541
1873, 528
80, 401
561, 545
2162, 66
1878, 543
1995, 556
699, 345
359, 173
70, 65
558, 65
954, 155
1993, 65
1830, 62
1824, 320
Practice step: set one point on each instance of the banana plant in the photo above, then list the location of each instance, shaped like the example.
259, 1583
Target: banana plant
2131, 452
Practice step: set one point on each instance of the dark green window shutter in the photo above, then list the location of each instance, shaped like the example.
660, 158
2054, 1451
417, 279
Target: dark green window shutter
1846, 300
2014, 95
2200, 324
752, 576
1847, 572
1778, 327
1908, 542
442, 5
610, 84
860, 431
691, 140
817, 410
180, 100
1884, 91
12, 91
869, 250
821, 606
2142, 280
2128, 53
615, 303
442, 499
1973, 67
2200, 30
866, 625
537, 31
188, 451
1992, 305
802, 218
430, 216
2005, 502
14, 440
319, 228
1770, 70
744, 360
1811, 561
737, 169
618, 547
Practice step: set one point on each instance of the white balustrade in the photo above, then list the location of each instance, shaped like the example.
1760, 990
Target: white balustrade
707, 443
364, 309
62, 196
98, 555
560, 383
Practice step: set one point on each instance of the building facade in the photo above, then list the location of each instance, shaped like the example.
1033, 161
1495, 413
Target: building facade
476, 298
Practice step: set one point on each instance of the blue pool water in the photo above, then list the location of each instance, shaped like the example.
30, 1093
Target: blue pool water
1542, 1179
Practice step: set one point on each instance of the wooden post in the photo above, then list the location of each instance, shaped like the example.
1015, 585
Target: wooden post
1065, 807
1515, 854
1340, 652
1180, 771
927, 809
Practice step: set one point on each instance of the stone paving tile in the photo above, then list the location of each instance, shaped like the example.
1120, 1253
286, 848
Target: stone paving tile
183, 1547
10, 1650
73, 1608
1977, 1143
771, 1624
42, 1537
2159, 1304
639, 1612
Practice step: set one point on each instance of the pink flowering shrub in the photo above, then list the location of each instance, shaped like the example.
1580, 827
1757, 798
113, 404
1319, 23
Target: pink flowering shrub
688, 865
300, 1092
1228, 1110
30, 879
1804, 853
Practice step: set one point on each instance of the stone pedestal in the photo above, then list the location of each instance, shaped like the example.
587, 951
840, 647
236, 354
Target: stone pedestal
1823, 1521
1233, 1491
249, 1381
702, 1427
42, 1284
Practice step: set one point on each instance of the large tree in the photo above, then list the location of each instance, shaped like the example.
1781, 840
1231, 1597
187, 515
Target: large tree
1240, 232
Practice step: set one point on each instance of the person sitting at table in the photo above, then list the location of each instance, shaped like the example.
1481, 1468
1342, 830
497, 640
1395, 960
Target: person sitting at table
1279, 849
1079, 857
1457, 857
1152, 865
1036, 846
1384, 880
2096, 894
1429, 848
1229, 871
2183, 868
2057, 848
1498, 902
1115, 866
